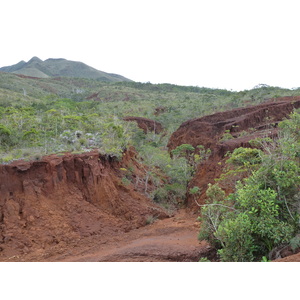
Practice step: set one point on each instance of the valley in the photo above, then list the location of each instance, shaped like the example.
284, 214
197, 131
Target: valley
89, 169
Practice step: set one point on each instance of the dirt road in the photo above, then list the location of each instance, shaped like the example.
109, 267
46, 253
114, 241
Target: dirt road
172, 239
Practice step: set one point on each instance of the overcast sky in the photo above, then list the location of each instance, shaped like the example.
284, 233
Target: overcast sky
227, 44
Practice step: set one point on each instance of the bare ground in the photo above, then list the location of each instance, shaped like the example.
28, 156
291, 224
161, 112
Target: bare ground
169, 240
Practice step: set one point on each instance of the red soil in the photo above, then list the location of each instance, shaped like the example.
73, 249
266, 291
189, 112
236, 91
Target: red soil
25, 76
146, 125
244, 124
171, 239
289, 258
77, 208
67, 198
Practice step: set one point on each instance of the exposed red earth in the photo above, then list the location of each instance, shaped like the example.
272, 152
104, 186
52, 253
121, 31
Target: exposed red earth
145, 124
63, 199
75, 207
290, 258
244, 124
172, 239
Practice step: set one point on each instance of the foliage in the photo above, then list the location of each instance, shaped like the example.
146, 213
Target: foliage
265, 207
292, 125
295, 242
168, 175
245, 157
192, 158
265, 259
214, 211
4, 131
256, 228
204, 259
5, 136
226, 136
184, 150
43, 116
194, 190
189, 158
240, 163
236, 238
260, 142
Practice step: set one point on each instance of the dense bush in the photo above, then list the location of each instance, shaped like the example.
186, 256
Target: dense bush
263, 213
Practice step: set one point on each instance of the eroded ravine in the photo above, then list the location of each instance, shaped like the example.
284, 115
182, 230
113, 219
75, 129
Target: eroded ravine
75, 208
62, 200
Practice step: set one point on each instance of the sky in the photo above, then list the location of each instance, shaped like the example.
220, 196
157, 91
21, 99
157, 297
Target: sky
228, 44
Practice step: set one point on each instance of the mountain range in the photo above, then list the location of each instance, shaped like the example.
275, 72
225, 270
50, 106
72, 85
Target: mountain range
58, 67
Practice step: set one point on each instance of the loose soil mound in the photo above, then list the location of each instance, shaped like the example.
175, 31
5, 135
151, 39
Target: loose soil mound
244, 124
59, 200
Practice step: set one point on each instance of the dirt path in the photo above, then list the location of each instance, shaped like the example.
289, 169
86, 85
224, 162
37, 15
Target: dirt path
171, 239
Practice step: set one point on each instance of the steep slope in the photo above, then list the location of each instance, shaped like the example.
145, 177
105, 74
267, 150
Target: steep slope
51, 67
242, 125
59, 200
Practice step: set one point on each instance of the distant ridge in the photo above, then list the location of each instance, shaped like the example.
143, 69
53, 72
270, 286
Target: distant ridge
60, 67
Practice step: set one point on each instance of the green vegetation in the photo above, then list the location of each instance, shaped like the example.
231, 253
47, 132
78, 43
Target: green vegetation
51, 115
35, 67
263, 213
226, 136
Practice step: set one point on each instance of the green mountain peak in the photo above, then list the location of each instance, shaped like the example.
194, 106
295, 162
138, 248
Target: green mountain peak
60, 67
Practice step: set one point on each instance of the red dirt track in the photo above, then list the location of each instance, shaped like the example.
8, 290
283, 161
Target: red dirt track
172, 239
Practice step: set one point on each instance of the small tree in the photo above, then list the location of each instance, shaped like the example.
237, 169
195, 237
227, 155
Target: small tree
213, 212
187, 155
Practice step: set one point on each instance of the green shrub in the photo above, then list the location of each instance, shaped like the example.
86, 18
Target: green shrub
204, 259
226, 136
236, 238
6, 159
194, 190
245, 157
4, 131
295, 242
213, 212
265, 206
